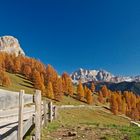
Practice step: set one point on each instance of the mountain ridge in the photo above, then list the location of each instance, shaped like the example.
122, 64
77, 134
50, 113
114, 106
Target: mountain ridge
86, 75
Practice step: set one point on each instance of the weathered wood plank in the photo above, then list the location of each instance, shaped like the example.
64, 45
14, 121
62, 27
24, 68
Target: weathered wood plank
45, 112
10, 99
28, 124
20, 116
37, 114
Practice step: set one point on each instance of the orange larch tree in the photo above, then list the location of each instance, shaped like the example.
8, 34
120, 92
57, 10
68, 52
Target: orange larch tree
80, 91
85, 90
100, 97
50, 74
58, 89
124, 106
6, 81
89, 97
38, 83
49, 91
17, 65
92, 87
67, 84
104, 91
113, 104
27, 71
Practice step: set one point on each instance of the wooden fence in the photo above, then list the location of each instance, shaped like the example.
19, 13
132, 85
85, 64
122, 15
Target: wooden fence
43, 113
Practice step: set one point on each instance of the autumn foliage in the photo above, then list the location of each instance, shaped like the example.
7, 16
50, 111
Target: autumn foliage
67, 84
80, 91
89, 97
92, 87
54, 86
49, 91
125, 103
44, 78
4, 79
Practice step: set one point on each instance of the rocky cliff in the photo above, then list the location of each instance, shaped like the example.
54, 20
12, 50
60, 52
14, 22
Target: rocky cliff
10, 44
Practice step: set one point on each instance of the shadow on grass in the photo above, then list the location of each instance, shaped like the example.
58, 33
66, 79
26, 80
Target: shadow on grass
25, 85
21, 76
75, 98
28, 82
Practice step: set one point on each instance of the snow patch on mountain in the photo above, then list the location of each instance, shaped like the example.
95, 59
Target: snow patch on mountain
100, 76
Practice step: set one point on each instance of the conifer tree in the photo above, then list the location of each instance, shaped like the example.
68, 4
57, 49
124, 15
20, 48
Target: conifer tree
133, 100
67, 84
17, 65
38, 83
119, 101
114, 104
80, 91
100, 97
58, 90
135, 115
85, 90
70, 86
104, 91
50, 74
124, 106
92, 87
6, 81
49, 91
27, 71
89, 97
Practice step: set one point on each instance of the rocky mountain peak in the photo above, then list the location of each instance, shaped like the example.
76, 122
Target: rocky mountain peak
100, 76
10, 44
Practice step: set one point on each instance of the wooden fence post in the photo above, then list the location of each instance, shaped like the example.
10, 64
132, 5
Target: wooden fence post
45, 112
38, 115
50, 108
20, 116
55, 112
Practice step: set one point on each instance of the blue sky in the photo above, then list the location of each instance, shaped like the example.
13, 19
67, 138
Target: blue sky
69, 34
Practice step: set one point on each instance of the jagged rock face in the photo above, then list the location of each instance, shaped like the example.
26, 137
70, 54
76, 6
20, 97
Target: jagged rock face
10, 45
100, 76
91, 75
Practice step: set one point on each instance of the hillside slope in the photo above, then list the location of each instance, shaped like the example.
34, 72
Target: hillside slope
88, 124
123, 86
19, 82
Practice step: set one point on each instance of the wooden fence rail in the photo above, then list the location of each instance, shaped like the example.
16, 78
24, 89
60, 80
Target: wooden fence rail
43, 114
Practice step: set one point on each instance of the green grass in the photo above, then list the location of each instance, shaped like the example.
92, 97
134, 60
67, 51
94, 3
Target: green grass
89, 117
69, 101
105, 125
19, 82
